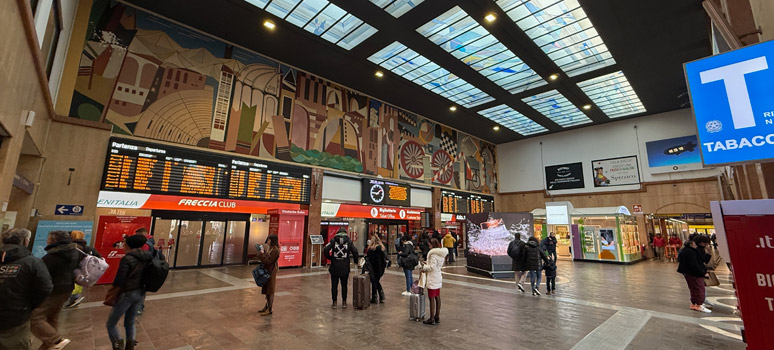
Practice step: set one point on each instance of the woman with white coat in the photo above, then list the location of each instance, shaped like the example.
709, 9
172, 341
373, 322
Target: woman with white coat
432, 270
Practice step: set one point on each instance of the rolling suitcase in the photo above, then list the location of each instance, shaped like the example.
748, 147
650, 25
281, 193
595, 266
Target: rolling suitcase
361, 290
416, 307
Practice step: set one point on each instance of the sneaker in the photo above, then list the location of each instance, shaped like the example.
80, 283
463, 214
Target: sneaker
77, 302
405, 294
344, 304
333, 306
708, 305
61, 344
521, 288
537, 291
703, 309
694, 307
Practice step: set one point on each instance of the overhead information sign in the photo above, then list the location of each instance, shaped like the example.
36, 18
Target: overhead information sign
465, 203
732, 100
380, 192
135, 166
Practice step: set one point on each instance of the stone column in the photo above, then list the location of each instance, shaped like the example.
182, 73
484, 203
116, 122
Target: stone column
314, 218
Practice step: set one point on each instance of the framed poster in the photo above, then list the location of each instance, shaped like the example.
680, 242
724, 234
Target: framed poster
564, 176
616, 171
45, 226
675, 154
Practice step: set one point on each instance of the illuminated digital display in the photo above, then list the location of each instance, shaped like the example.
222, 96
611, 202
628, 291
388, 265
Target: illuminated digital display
134, 166
381, 192
464, 203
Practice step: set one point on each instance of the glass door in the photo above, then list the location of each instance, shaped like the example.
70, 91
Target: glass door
235, 242
212, 247
165, 234
189, 243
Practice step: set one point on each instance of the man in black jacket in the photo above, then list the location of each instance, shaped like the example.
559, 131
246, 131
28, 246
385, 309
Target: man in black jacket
61, 259
129, 278
24, 284
339, 250
691, 265
549, 244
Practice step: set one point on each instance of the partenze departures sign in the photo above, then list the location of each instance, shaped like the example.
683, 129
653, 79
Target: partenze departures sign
732, 95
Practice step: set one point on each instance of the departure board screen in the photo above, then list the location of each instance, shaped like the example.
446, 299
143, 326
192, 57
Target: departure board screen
382, 192
135, 166
465, 203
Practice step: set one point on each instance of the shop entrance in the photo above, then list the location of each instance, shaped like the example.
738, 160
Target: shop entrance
201, 239
387, 231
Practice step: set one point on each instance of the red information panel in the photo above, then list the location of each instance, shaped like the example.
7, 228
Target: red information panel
751, 247
289, 229
110, 240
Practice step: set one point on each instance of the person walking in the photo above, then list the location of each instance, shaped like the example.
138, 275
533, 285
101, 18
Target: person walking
25, 284
269, 257
691, 265
658, 246
448, 243
533, 256
61, 260
516, 252
79, 238
376, 262
432, 269
398, 247
408, 261
129, 280
339, 250
456, 244
424, 244
149, 246
549, 244
550, 269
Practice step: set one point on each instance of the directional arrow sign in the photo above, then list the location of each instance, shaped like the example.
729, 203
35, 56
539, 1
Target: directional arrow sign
68, 209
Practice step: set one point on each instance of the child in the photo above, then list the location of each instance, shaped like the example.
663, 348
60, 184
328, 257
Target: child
550, 269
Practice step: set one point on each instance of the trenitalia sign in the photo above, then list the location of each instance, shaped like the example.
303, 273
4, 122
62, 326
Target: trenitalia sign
125, 200
732, 96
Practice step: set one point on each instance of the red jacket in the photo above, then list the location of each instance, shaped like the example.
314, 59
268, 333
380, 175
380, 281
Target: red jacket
675, 241
659, 242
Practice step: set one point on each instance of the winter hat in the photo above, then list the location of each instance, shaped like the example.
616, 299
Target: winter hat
136, 241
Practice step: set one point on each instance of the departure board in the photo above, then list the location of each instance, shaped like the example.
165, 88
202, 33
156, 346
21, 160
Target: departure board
382, 192
465, 203
135, 166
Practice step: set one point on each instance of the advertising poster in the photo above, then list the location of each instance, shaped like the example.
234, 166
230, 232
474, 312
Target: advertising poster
490, 233
46, 226
564, 176
675, 154
616, 171
608, 247
290, 235
111, 231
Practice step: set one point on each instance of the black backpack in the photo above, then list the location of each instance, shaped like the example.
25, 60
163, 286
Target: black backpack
155, 274
410, 261
515, 249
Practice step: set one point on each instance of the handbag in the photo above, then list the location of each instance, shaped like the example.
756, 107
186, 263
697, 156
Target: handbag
711, 280
112, 296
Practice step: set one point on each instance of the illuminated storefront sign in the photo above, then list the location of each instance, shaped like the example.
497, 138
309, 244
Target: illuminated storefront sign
109, 199
369, 212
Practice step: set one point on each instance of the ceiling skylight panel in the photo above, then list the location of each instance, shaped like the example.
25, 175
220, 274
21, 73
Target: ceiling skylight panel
613, 94
558, 108
562, 30
512, 119
320, 18
462, 36
397, 8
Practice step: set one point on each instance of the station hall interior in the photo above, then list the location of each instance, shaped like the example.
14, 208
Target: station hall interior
218, 124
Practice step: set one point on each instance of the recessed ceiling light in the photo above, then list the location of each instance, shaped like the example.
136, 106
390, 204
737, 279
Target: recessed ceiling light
490, 17
453, 108
269, 24
496, 128
553, 76
379, 74
587, 107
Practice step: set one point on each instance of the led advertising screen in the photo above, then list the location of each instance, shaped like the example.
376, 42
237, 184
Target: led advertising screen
490, 233
380, 192
564, 176
675, 154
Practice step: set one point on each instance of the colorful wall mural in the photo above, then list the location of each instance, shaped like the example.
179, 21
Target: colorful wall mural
151, 78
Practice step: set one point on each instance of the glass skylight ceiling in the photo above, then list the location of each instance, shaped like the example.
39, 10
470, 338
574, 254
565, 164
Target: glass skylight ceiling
397, 7
562, 30
459, 34
511, 119
403, 61
558, 108
320, 18
613, 95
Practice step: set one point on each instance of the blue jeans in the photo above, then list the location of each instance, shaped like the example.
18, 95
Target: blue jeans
127, 305
535, 276
409, 279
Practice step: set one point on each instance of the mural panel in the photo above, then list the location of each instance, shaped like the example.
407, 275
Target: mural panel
151, 78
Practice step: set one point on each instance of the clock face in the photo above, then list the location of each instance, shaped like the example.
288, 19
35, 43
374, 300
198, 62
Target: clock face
377, 193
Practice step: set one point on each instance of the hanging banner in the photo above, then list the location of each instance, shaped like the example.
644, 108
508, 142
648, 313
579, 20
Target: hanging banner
46, 226
564, 176
616, 171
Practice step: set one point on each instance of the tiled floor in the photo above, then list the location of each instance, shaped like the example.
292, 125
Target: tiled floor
646, 303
